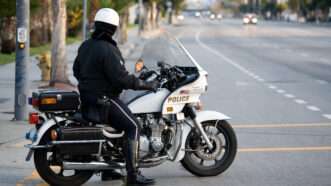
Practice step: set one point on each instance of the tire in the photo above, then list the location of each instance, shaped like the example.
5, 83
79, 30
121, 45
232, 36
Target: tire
221, 165
42, 166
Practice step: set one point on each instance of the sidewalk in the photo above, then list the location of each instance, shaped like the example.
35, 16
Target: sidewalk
14, 130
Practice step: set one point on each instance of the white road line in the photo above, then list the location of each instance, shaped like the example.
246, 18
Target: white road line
324, 60
289, 96
272, 87
322, 82
313, 108
226, 59
300, 101
261, 79
328, 116
304, 54
281, 91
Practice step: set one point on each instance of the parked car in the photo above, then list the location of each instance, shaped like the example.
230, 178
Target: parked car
249, 19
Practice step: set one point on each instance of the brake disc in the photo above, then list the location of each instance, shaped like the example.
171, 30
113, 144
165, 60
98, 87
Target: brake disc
204, 153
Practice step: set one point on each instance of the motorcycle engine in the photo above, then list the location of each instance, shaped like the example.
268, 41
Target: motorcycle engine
154, 135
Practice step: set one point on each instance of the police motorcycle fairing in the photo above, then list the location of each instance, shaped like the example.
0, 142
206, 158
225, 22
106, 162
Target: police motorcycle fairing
68, 150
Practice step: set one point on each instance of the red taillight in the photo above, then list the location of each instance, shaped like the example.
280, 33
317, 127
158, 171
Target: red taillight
33, 118
35, 102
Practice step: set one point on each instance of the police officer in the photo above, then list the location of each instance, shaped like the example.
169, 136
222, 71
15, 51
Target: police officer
100, 71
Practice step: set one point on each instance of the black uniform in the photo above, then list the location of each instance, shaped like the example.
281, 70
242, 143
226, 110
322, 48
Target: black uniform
100, 71
99, 68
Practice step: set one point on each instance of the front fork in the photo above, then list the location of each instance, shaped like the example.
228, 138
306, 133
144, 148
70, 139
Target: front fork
191, 111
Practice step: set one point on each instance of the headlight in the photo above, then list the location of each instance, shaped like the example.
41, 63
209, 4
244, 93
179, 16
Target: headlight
246, 20
254, 20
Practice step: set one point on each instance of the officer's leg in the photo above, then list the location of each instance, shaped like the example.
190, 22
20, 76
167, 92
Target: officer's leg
121, 118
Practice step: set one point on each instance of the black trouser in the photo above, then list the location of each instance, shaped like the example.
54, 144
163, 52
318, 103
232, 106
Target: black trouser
117, 114
121, 118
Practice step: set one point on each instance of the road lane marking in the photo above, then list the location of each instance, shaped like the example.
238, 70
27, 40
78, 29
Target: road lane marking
313, 108
261, 79
272, 87
322, 82
246, 71
328, 116
281, 91
300, 101
323, 60
284, 125
304, 55
33, 177
289, 95
285, 149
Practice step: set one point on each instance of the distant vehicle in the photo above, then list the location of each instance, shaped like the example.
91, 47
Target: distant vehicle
219, 16
180, 17
197, 14
249, 19
212, 16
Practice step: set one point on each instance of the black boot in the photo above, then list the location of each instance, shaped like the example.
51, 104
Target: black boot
133, 176
107, 175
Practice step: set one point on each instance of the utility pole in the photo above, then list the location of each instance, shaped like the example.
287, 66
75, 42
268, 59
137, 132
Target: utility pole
22, 54
141, 17
84, 19
169, 10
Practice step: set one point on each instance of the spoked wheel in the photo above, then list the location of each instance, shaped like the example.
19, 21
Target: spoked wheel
202, 161
49, 166
54, 174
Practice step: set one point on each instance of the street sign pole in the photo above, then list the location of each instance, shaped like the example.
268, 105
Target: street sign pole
84, 20
22, 54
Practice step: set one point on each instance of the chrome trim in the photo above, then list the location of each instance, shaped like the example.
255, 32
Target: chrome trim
92, 165
77, 142
31, 146
203, 133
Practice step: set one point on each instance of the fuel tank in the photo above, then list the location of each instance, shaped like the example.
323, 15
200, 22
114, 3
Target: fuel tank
149, 102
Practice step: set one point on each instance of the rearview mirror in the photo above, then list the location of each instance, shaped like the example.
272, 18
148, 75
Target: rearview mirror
139, 65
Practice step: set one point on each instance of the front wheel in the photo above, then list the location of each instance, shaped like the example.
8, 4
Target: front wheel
200, 160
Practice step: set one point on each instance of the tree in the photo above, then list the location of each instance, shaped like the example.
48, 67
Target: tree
7, 26
59, 66
122, 7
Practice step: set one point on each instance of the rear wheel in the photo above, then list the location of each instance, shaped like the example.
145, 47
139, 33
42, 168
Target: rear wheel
201, 161
49, 167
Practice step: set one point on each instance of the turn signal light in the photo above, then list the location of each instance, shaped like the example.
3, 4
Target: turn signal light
33, 118
199, 106
48, 101
54, 135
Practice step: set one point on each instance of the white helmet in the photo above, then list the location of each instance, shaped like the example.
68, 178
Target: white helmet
107, 15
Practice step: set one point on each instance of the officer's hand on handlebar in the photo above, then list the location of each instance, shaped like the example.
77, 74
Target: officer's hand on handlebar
152, 85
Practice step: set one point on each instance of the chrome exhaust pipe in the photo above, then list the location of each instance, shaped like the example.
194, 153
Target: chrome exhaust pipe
92, 166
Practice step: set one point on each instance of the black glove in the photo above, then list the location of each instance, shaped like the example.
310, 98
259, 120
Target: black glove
143, 85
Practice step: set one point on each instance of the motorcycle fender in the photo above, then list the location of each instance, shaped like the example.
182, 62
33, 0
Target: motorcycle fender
44, 128
208, 115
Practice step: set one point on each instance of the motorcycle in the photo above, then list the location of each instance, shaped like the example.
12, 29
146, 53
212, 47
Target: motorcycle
68, 150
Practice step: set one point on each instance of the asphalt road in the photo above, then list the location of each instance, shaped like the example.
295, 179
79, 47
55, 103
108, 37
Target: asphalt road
273, 79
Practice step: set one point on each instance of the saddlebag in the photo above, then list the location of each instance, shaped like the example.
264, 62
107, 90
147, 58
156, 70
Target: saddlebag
55, 100
77, 140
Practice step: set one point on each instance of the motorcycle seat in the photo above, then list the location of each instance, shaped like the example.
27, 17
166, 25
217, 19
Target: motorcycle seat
79, 118
110, 132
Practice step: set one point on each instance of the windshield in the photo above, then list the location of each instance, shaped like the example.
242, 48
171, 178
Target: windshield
164, 48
